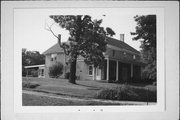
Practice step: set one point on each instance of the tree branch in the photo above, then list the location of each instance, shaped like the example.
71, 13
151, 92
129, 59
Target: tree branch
48, 28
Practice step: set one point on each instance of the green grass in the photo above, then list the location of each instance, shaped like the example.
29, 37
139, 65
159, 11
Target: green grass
84, 89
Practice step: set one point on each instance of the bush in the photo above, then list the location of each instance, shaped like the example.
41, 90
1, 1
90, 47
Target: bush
67, 75
56, 70
128, 93
29, 85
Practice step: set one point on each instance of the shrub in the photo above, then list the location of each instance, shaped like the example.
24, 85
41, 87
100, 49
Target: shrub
127, 92
67, 75
29, 85
56, 70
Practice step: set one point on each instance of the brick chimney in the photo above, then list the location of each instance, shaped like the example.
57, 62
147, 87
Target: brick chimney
122, 37
59, 39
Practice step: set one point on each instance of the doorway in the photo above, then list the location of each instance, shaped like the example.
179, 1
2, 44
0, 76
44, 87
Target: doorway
124, 74
98, 74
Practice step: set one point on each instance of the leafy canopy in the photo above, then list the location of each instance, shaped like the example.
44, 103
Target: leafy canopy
87, 37
32, 58
146, 32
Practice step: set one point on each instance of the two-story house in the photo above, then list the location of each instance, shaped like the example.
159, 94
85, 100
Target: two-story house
122, 62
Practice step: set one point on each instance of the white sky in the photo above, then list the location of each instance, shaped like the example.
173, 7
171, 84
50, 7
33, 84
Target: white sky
29, 24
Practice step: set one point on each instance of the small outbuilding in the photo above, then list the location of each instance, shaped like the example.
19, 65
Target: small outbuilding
35, 71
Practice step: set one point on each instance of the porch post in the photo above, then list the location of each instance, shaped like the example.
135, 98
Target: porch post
117, 70
107, 75
93, 73
26, 72
131, 70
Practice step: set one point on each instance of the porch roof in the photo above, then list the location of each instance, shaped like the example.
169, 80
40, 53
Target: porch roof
34, 66
121, 44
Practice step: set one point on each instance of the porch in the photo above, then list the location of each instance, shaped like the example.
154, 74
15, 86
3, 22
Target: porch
35, 71
117, 71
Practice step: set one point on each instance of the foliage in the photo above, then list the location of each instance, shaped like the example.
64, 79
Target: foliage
31, 58
67, 75
129, 93
56, 70
87, 39
146, 33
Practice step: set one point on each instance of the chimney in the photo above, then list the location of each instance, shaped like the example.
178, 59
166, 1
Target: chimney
122, 37
59, 39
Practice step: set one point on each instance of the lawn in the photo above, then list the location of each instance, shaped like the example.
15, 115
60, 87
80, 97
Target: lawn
83, 89
34, 100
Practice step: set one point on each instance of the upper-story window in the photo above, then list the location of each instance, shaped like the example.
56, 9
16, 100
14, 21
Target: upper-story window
124, 54
53, 57
113, 53
134, 57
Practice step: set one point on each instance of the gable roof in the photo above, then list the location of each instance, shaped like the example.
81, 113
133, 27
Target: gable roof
54, 49
121, 44
111, 41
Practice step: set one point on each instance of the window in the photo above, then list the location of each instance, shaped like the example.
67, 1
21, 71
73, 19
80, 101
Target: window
53, 57
42, 72
134, 57
124, 54
90, 70
113, 53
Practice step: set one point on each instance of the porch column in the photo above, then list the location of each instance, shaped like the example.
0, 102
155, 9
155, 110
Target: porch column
94, 73
26, 72
131, 70
107, 75
117, 70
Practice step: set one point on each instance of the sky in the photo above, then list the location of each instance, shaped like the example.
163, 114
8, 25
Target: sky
30, 24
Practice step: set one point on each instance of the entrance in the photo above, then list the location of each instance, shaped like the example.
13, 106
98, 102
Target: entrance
112, 70
124, 74
98, 74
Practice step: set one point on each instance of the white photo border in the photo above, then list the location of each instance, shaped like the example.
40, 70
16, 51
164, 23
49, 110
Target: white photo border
14, 90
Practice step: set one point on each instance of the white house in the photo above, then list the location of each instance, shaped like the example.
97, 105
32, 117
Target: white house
122, 62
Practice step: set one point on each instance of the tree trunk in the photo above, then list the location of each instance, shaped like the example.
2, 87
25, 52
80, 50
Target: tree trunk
72, 77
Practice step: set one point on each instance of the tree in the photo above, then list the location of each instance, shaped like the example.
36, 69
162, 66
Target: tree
146, 33
56, 70
31, 58
87, 39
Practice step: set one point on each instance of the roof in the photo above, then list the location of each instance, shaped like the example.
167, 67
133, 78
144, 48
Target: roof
121, 44
54, 49
34, 66
111, 41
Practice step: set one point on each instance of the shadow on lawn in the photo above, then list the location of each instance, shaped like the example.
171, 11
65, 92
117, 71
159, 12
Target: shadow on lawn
89, 87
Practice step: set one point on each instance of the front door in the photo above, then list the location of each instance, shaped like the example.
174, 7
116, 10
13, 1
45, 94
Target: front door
98, 74
125, 74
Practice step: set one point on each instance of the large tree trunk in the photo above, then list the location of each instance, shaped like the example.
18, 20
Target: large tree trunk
72, 77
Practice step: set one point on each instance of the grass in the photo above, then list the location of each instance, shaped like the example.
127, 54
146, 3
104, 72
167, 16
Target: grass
34, 100
84, 89
29, 85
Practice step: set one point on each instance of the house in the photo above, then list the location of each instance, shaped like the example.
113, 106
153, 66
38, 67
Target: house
122, 62
35, 71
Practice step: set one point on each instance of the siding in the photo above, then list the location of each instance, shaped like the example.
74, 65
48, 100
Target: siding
82, 71
48, 63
